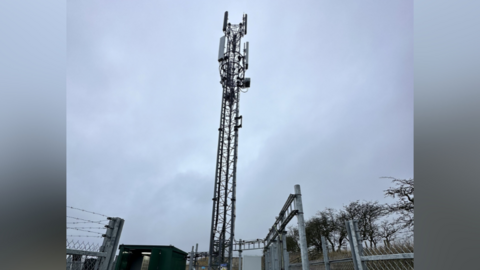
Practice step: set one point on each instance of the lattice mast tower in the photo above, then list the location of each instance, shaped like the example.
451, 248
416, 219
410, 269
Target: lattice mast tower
232, 73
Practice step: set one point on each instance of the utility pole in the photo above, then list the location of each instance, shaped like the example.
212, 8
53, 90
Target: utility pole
232, 73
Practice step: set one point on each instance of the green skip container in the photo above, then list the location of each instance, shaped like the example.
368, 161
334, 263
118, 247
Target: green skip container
137, 257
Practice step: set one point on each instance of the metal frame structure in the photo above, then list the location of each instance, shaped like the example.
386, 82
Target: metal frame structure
249, 244
232, 72
276, 238
242, 245
193, 257
274, 244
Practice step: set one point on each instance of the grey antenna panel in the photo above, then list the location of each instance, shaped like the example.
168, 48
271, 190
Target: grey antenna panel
245, 22
221, 49
225, 19
246, 57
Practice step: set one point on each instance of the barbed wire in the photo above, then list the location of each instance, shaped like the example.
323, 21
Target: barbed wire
85, 236
99, 222
92, 221
86, 222
83, 210
84, 230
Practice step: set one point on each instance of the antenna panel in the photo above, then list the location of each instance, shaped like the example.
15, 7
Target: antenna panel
246, 56
245, 23
221, 49
225, 19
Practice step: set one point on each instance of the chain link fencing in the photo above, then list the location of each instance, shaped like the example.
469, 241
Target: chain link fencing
80, 262
77, 255
390, 249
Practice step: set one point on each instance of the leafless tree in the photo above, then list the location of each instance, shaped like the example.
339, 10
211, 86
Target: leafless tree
322, 224
314, 229
293, 240
330, 223
340, 218
403, 191
388, 231
367, 214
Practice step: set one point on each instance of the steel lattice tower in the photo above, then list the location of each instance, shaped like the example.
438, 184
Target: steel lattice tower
232, 72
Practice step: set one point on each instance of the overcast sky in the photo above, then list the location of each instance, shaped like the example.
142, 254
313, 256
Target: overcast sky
330, 108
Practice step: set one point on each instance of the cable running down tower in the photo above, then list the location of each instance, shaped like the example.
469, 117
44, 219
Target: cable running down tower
232, 73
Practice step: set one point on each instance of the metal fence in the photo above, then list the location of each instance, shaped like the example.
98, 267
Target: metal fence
339, 260
79, 255
82, 255
356, 257
203, 262
393, 256
80, 262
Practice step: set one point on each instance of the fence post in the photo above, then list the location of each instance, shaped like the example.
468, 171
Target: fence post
265, 255
240, 255
190, 263
359, 240
195, 264
116, 241
270, 257
110, 243
301, 228
280, 250
267, 259
352, 237
286, 260
117, 231
326, 261
275, 255
106, 241
278, 254
264, 261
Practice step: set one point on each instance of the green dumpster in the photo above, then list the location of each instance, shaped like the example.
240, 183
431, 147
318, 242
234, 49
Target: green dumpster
137, 257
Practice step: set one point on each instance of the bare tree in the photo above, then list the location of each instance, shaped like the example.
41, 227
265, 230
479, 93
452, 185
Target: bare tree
388, 231
329, 224
367, 214
341, 230
372, 212
322, 224
314, 229
293, 240
404, 206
